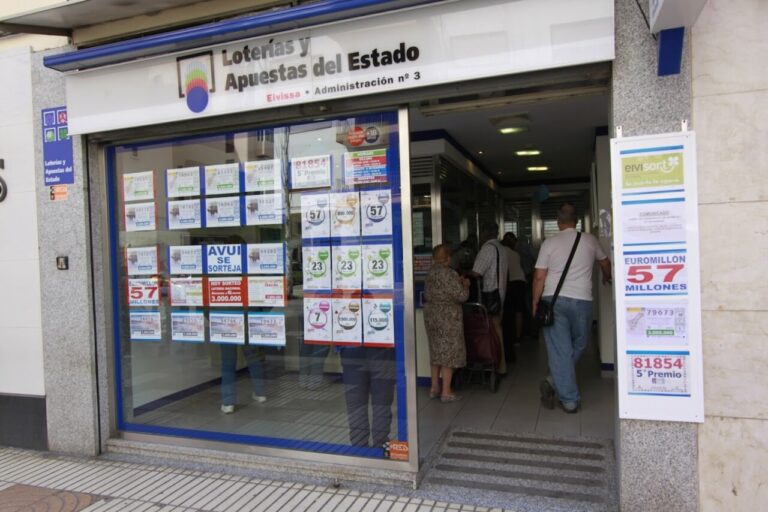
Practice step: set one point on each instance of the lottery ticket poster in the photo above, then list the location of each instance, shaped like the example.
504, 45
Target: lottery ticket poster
226, 291
222, 179
657, 277
187, 291
264, 209
139, 186
311, 171
222, 212
347, 321
183, 182
365, 167
266, 291
664, 324
145, 326
186, 259
345, 214
224, 259
185, 214
141, 261
265, 258
267, 329
378, 267
140, 217
346, 267
263, 175
315, 216
316, 267
144, 292
376, 212
188, 327
318, 320
378, 322
227, 327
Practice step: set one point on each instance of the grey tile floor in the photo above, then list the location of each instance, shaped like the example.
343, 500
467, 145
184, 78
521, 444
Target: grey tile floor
515, 406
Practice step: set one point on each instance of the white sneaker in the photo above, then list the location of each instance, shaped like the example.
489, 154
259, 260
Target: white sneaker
227, 409
258, 398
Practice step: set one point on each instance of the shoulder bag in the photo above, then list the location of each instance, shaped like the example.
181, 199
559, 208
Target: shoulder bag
492, 300
545, 311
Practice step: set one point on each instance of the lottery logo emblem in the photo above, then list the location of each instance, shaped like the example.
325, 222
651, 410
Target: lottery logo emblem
345, 213
348, 266
318, 267
378, 212
378, 319
196, 80
315, 216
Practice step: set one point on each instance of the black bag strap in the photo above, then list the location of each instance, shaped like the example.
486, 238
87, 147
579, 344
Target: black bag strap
567, 266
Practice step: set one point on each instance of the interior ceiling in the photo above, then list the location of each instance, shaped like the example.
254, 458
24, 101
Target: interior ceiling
562, 129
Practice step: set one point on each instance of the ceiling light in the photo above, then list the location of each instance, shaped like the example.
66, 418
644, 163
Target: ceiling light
539, 168
507, 130
479, 152
498, 172
528, 152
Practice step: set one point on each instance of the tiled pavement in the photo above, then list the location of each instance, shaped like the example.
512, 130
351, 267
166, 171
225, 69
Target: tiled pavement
36, 481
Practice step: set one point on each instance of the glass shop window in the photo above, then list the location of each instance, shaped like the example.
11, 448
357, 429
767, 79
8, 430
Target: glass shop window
258, 286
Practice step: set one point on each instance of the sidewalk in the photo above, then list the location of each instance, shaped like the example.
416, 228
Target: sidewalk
42, 481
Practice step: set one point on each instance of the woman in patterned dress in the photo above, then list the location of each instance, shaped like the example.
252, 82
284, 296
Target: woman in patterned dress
444, 292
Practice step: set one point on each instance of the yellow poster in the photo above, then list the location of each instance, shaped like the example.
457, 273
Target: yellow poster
660, 170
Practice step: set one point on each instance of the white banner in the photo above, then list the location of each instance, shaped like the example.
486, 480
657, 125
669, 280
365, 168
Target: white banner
436, 44
656, 252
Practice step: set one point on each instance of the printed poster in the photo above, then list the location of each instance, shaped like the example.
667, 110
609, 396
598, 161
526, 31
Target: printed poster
345, 268
141, 261
139, 186
224, 259
226, 291
266, 258
222, 179
365, 167
266, 329
378, 268
655, 273
311, 171
317, 320
376, 208
145, 325
654, 170
140, 217
185, 214
222, 212
657, 324
227, 327
186, 259
654, 222
315, 216
187, 291
183, 182
316, 265
347, 321
378, 322
144, 292
345, 214
264, 209
658, 373
266, 291
263, 175
187, 326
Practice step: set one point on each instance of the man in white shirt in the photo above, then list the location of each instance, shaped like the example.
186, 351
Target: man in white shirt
567, 338
485, 267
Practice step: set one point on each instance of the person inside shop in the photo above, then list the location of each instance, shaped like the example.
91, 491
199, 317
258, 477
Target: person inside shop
445, 291
514, 302
568, 336
491, 265
527, 261
368, 374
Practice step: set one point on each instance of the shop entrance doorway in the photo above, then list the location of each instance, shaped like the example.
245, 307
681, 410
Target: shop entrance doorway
513, 159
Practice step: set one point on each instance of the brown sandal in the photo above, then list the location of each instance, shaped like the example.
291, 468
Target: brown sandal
450, 398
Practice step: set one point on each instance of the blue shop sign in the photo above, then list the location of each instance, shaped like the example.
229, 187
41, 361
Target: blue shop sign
57, 148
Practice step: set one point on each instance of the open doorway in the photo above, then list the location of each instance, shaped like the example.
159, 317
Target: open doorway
513, 160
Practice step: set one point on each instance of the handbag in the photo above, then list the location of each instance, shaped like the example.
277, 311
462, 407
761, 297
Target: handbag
492, 300
545, 311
